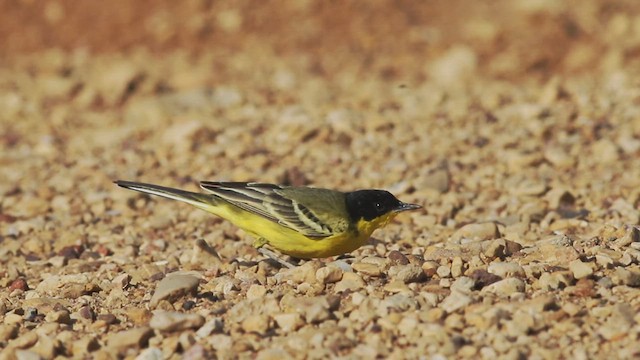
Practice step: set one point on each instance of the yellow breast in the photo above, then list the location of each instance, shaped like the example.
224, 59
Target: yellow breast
293, 243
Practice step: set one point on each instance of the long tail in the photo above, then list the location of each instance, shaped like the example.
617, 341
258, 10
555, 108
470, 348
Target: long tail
202, 201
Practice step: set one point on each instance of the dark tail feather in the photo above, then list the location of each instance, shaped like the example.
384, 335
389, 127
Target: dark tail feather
195, 199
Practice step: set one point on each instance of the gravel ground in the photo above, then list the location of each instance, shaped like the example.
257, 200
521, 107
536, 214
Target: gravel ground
516, 124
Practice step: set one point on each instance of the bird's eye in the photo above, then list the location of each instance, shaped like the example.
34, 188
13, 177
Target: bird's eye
378, 206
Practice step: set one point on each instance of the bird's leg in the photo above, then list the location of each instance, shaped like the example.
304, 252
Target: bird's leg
271, 255
259, 245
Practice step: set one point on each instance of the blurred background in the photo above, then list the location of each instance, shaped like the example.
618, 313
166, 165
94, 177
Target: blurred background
503, 38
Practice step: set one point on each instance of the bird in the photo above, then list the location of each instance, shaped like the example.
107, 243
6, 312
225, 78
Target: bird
300, 221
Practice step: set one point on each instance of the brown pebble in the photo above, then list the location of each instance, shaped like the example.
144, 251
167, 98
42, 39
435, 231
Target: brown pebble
20, 284
484, 278
430, 268
157, 276
108, 319
584, 288
86, 312
103, 250
294, 177
71, 252
138, 315
398, 258
7, 218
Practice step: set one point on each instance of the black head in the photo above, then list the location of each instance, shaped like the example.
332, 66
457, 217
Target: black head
370, 204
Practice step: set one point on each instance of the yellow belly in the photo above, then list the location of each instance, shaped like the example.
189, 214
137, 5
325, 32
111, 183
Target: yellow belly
291, 242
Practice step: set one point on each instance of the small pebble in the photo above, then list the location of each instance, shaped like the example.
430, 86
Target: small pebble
196, 352
604, 260
367, 269
349, 282
61, 316
463, 284
25, 340
121, 281
443, 271
288, 322
175, 321
632, 235
455, 301
495, 248
256, 291
329, 274
173, 287
47, 346
133, 338
480, 231
506, 269
398, 258
86, 312
214, 325
457, 267
188, 305
626, 277
399, 302
505, 287
109, 318
258, 324
19, 284
314, 309
483, 278
438, 179
580, 269
27, 355
556, 280
151, 353
571, 309
396, 286
430, 268
407, 273
85, 345
13, 319
303, 273
8, 332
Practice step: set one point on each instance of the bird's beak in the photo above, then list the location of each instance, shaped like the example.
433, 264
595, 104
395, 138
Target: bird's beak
406, 207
